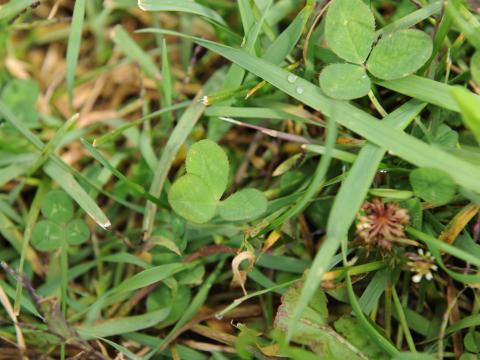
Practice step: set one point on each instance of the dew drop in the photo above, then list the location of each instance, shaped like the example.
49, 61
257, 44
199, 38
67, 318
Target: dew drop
299, 90
292, 78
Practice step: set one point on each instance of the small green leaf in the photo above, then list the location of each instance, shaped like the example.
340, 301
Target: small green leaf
472, 342
57, 206
244, 204
344, 81
350, 29
21, 96
475, 67
47, 236
207, 160
432, 185
400, 54
192, 198
77, 232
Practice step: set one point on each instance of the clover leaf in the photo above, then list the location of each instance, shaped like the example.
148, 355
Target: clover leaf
344, 81
47, 236
58, 229
432, 185
244, 204
350, 34
399, 54
192, 198
207, 160
196, 195
57, 206
350, 30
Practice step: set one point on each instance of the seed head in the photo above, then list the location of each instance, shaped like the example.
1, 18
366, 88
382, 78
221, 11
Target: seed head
380, 224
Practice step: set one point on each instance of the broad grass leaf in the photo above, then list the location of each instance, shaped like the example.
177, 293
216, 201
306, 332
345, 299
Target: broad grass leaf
344, 81
57, 206
47, 236
350, 30
475, 67
242, 205
207, 160
353, 331
192, 198
400, 54
432, 185
312, 329
77, 232
118, 326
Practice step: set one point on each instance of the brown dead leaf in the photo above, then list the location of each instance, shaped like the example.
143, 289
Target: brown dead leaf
240, 276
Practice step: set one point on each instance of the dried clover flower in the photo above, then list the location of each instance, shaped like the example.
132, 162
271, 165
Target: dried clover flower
380, 224
422, 264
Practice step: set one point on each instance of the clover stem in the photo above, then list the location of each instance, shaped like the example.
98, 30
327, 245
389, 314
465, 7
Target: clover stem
377, 104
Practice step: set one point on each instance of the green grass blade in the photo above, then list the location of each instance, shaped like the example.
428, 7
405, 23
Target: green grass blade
133, 185
112, 135
13, 8
412, 18
73, 49
181, 6
27, 233
469, 105
466, 22
424, 89
286, 41
135, 53
403, 320
118, 326
167, 85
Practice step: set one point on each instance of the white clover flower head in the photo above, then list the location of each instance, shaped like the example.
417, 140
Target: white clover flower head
422, 264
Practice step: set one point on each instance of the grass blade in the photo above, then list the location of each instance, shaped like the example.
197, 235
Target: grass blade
73, 49
424, 89
180, 5
13, 8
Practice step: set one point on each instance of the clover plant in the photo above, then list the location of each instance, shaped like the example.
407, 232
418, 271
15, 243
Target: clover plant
351, 36
196, 196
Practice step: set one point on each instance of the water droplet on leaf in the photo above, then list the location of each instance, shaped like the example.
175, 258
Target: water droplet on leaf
292, 78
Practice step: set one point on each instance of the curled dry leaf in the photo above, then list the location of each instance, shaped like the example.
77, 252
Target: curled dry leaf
240, 276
